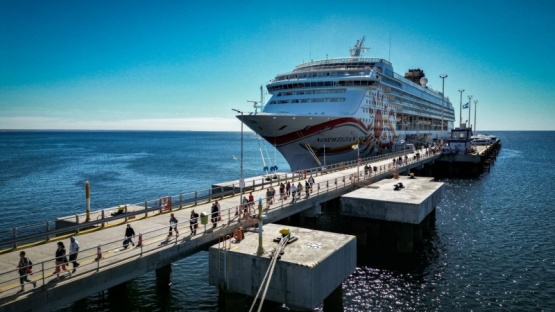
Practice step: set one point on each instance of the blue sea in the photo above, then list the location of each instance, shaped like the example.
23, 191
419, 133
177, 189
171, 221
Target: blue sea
492, 248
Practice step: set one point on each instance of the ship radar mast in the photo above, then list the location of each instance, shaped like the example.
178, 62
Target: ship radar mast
359, 48
258, 104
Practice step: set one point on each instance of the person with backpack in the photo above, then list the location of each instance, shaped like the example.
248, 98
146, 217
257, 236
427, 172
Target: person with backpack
129, 234
215, 210
173, 225
24, 269
194, 222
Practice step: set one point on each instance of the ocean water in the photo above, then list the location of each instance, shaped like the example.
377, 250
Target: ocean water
491, 249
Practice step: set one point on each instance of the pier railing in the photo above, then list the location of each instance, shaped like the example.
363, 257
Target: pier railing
44, 231
112, 252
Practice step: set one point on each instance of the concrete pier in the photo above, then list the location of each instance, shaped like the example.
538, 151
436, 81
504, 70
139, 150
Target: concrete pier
407, 201
310, 270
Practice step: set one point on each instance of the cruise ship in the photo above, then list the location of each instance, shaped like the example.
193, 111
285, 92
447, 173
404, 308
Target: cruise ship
341, 109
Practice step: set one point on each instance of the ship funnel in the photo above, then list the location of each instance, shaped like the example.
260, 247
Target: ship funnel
423, 81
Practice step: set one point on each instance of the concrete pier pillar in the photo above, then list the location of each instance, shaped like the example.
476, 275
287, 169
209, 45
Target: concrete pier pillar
418, 234
164, 276
360, 232
232, 301
309, 216
405, 238
334, 302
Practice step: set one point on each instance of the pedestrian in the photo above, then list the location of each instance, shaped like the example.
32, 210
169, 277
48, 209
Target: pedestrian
281, 191
61, 260
299, 189
293, 192
288, 189
173, 225
129, 234
270, 196
194, 222
24, 269
307, 188
216, 213
311, 182
73, 251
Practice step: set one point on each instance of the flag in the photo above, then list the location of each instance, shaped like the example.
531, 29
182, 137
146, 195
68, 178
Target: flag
465, 106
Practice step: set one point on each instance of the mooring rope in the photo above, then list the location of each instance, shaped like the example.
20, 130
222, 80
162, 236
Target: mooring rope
269, 272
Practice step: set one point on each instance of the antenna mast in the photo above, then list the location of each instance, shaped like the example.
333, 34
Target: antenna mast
359, 48
258, 104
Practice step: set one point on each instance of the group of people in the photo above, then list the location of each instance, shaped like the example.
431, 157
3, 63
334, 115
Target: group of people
295, 191
61, 261
61, 257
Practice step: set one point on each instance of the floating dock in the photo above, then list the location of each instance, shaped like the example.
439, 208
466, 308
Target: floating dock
310, 269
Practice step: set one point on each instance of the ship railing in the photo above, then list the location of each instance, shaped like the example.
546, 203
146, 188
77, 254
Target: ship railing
110, 253
44, 231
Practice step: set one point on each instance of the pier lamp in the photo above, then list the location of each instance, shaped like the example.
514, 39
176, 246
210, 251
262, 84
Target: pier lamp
475, 109
460, 109
442, 101
241, 181
469, 109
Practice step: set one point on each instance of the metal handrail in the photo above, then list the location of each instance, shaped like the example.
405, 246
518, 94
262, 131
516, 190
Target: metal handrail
228, 218
185, 199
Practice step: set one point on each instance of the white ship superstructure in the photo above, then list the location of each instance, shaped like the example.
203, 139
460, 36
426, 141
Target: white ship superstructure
334, 110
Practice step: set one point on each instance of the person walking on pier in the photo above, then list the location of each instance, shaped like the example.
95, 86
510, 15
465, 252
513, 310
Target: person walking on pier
299, 190
73, 251
288, 189
61, 260
194, 222
173, 225
281, 191
129, 234
24, 269
216, 213
307, 188
293, 192
310, 183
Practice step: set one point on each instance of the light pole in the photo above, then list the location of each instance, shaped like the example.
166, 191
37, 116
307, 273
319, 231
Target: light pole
442, 101
475, 109
241, 181
358, 156
460, 108
469, 109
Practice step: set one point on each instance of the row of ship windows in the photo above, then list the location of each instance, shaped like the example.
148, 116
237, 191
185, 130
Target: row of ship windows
327, 74
320, 84
324, 91
321, 100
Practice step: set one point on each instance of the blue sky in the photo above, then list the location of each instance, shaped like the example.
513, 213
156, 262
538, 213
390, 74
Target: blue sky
183, 65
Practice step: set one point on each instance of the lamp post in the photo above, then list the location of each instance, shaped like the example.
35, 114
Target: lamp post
241, 181
358, 156
460, 109
469, 109
442, 101
475, 109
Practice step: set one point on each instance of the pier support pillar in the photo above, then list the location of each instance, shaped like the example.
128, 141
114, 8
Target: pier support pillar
310, 215
405, 237
373, 230
164, 276
360, 232
233, 302
418, 234
334, 302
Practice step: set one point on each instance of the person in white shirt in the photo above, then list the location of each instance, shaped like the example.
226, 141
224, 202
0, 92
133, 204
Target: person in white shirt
73, 251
